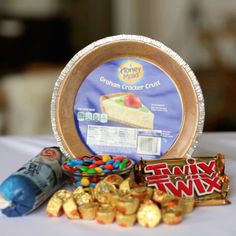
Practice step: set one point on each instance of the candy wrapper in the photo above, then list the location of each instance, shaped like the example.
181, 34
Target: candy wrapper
32, 184
201, 178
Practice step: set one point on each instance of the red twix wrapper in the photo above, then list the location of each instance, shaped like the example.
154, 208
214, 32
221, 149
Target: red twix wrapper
201, 178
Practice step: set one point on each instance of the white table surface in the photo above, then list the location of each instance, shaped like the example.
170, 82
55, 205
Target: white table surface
212, 221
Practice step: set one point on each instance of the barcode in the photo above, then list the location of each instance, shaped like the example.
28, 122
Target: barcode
149, 145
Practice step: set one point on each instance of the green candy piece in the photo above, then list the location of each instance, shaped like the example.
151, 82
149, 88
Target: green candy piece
123, 165
91, 171
83, 168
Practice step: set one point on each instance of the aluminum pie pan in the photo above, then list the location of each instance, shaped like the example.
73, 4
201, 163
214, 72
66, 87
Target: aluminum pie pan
100, 51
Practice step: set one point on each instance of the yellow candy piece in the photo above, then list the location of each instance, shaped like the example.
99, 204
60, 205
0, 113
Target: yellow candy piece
99, 170
106, 158
85, 182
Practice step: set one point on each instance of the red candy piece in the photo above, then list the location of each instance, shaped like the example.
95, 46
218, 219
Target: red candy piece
73, 179
109, 167
94, 179
99, 162
68, 168
92, 166
118, 158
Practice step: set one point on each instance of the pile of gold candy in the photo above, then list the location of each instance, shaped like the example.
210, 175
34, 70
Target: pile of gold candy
122, 201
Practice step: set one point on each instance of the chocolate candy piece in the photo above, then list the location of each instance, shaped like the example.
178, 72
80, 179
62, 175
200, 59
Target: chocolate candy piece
125, 220
105, 214
149, 215
33, 183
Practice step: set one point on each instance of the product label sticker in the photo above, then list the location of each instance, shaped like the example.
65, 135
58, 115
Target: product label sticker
128, 107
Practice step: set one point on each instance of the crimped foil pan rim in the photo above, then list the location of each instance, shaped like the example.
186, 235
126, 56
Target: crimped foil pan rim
137, 38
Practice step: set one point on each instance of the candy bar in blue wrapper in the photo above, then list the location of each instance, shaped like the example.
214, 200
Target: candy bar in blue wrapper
32, 184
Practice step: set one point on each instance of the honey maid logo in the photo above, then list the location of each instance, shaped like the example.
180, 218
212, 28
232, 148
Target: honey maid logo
130, 72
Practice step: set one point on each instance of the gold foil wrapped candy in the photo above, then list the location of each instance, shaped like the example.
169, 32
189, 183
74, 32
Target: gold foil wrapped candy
140, 192
127, 205
171, 201
150, 192
187, 204
172, 212
114, 179
127, 185
83, 199
105, 214
54, 207
70, 208
55, 204
149, 215
103, 191
62, 194
125, 220
78, 191
172, 216
88, 211
159, 196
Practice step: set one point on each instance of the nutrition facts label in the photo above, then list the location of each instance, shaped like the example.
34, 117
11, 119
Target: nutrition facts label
149, 145
112, 136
